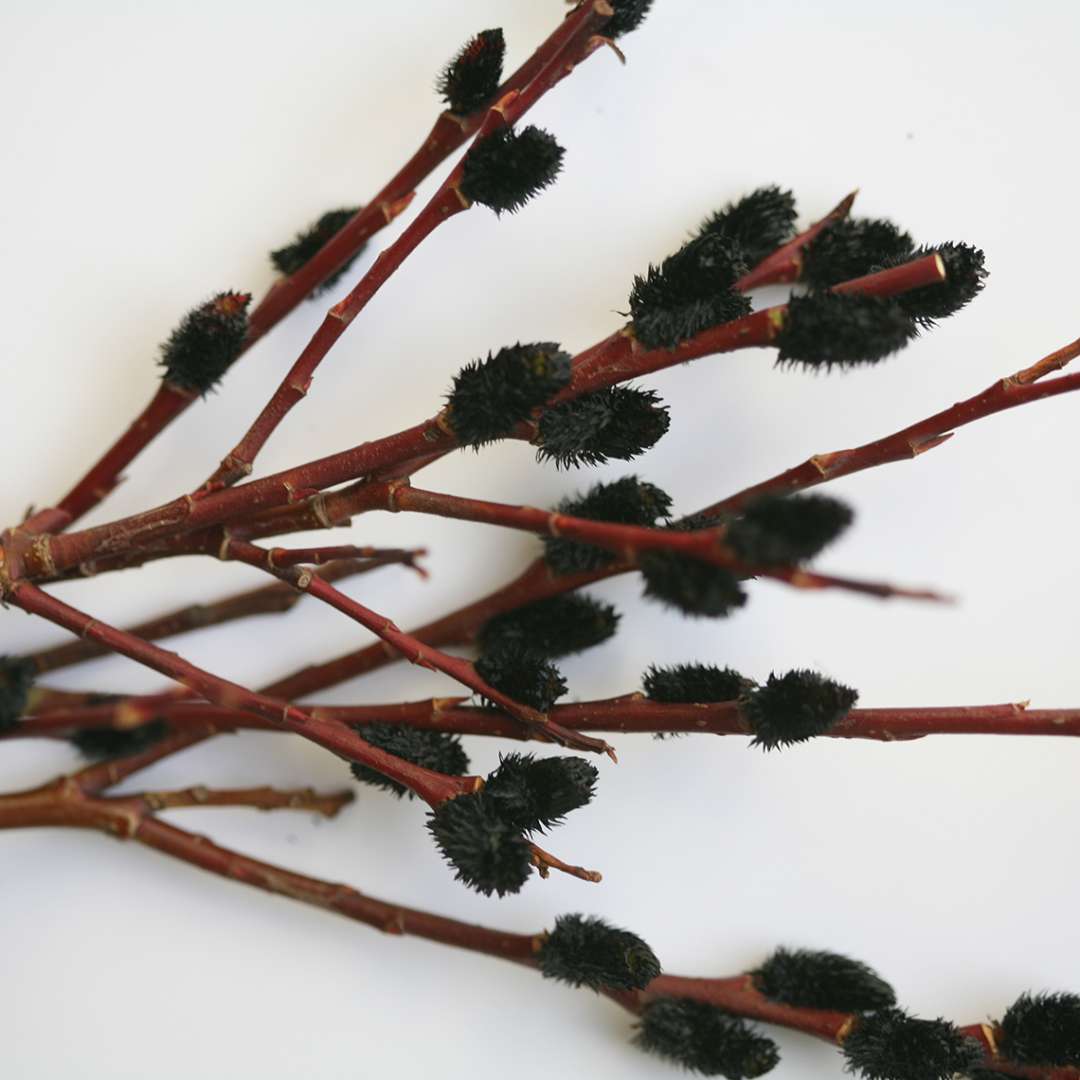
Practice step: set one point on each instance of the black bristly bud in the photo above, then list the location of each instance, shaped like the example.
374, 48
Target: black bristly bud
795, 707
16, 681
965, 275
517, 671
787, 529
620, 422
505, 169
628, 501
534, 795
688, 292
489, 397
586, 951
486, 851
704, 1039
437, 750
842, 329
891, 1045
288, 259
470, 80
696, 684
851, 248
759, 222
822, 980
629, 15
689, 585
558, 626
206, 343
1042, 1029
97, 743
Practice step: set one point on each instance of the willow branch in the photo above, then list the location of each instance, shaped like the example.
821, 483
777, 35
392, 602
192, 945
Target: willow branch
910, 442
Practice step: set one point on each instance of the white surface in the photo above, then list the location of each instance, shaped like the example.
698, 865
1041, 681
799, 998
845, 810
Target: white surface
152, 153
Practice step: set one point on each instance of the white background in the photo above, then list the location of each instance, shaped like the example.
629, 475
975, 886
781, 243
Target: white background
153, 153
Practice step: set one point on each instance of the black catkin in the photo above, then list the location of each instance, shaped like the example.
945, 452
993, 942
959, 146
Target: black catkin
505, 169
206, 343
437, 750
490, 397
587, 951
469, 81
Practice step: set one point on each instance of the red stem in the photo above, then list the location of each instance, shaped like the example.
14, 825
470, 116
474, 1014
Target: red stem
165, 406
629, 714
909, 442
785, 264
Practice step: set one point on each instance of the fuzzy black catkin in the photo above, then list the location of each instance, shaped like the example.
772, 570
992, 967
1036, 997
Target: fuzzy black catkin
16, 681
437, 750
627, 501
618, 423
206, 343
505, 169
690, 291
811, 979
587, 951
290, 258
851, 248
534, 795
965, 276
689, 585
826, 330
891, 1045
795, 707
515, 670
489, 397
557, 626
698, 684
629, 15
98, 743
704, 1039
759, 222
468, 83
787, 529
488, 854
1042, 1029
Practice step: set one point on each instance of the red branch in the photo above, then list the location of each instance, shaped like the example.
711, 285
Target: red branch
626, 715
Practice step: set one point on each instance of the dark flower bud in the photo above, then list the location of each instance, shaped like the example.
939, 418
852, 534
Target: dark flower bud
468, 83
489, 397
206, 343
505, 169
437, 750
795, 707
586, 951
